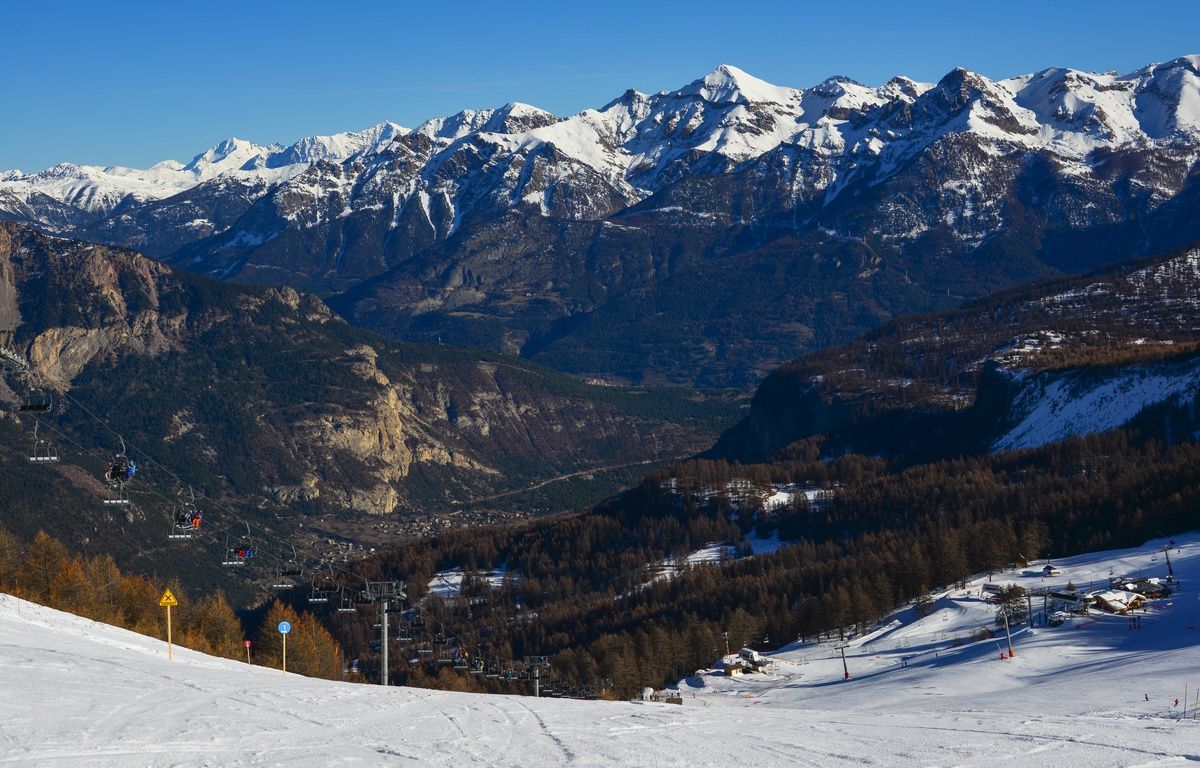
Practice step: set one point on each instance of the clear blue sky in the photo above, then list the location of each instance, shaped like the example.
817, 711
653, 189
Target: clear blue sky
132, 83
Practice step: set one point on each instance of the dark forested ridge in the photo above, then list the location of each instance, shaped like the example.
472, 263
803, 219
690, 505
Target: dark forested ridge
896, 434
587, 590
939, 384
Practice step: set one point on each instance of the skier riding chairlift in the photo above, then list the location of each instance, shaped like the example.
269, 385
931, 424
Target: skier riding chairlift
120, 470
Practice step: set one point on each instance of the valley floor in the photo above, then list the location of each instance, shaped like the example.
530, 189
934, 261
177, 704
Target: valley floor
1092, 692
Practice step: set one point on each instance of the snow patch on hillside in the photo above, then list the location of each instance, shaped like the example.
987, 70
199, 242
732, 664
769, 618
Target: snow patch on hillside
1055, 405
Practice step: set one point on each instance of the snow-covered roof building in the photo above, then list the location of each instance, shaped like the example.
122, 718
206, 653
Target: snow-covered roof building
1118, 600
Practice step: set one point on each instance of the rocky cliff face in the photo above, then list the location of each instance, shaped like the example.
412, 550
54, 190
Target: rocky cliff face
266, 397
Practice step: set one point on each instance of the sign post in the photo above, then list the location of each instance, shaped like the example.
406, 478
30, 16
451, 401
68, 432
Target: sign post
247, 651
167, 601
284, 628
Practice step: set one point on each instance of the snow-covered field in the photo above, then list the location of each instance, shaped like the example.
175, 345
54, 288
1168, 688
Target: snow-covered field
76, 693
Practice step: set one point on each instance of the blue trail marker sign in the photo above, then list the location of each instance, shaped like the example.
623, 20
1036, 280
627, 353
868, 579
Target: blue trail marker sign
284, 628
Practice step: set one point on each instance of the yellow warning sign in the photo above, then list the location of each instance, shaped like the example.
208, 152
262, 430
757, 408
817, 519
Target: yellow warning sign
167, 598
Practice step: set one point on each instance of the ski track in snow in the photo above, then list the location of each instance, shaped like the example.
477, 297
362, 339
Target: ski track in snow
77, 693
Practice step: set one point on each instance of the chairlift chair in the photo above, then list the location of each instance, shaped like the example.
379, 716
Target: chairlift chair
345, 602
317, 595
43, 452
119, 471
239, 550
185, 522
287, 572
36, 401
321, 590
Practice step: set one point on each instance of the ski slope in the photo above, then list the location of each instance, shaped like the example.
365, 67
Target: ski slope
77, 693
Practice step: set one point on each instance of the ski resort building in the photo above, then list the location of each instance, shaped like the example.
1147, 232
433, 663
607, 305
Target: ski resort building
1118, 601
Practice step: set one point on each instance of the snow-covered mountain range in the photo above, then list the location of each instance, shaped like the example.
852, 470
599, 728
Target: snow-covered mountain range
525, 218
638, 143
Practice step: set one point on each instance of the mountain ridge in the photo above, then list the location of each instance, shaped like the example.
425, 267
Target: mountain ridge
507, 227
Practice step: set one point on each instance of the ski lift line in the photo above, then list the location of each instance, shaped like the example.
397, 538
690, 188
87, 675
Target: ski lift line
166, 470
202, 533
212, 531
150, 460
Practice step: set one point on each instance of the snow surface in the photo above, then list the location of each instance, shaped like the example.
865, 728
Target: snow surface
448, 584
78, 693
1053, 406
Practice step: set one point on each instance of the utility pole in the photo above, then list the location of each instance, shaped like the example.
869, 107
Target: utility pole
845, 670
537, 663
1004, 613
382, 592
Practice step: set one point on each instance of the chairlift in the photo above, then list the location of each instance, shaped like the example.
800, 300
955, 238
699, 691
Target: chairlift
345, 602
185, 521
43, 452
287, 572
36, 401
239, 550
119, 471
321, 590
404, 634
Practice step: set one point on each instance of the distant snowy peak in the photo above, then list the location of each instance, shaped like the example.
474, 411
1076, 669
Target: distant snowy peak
339, 146
729, 85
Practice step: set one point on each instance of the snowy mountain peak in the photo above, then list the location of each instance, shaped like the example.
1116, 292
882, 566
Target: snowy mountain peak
455, 126
729, 85
515, 117
230, 154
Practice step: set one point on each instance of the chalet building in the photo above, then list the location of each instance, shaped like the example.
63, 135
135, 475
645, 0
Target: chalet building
1118, 601
1149, 588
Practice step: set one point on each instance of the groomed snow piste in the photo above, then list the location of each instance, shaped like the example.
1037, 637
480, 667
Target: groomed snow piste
77, 693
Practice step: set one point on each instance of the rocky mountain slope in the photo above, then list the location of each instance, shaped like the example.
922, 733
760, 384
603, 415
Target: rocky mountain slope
715, 230
265, 399
1020, 369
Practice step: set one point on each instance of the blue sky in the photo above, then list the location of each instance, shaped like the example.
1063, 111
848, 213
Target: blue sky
132, 83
